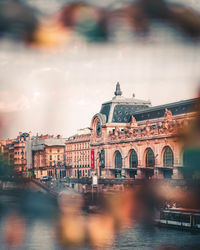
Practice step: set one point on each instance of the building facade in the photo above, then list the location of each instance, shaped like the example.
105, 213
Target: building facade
77, 154
45, 156
131, 139
14, 152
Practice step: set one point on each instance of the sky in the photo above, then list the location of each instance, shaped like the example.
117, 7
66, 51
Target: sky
59, 91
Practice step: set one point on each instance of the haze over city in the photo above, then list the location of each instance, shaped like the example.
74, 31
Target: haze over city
99, 124
58, 91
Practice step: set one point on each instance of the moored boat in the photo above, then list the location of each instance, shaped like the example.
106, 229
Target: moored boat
180, 218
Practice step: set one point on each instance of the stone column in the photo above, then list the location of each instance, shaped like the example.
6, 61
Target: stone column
128, 174
111, 174
177, 173
123, 172
158, 173
140, 174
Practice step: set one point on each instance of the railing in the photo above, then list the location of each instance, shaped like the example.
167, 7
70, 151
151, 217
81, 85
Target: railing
88, 180
51, 192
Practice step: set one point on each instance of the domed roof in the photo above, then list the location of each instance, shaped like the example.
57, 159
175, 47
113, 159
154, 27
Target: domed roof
120, 109
24, 135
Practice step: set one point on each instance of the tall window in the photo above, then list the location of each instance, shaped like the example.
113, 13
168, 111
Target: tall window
118, 160
133, 159
168, 157
150, 158
50, 157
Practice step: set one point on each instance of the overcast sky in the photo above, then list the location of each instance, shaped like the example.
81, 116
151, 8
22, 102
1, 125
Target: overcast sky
58, 92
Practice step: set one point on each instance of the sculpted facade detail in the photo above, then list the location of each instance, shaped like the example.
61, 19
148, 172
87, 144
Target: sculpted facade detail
133, 122
151, 140
167, 126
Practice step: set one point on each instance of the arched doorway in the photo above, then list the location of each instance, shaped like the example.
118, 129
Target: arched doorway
118, 164
133, 163
149, 163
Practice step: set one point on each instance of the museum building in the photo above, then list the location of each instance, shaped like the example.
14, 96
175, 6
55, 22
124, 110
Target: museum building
132, 139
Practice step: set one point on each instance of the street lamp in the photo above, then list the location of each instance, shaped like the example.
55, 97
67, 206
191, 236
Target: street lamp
22, 159
98, 157
68, 168
96, 165
55, 172
77, 162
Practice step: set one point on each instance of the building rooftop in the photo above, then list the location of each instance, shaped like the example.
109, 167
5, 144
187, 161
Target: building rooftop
180, 107
39, 144
120, 109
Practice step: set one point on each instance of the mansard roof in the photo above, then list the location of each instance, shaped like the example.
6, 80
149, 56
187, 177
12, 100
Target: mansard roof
120, 109
25, 135
177, 108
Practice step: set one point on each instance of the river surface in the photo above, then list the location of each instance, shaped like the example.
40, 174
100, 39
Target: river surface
40, 234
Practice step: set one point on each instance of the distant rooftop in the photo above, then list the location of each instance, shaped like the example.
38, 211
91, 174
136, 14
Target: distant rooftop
39, 144
83, 131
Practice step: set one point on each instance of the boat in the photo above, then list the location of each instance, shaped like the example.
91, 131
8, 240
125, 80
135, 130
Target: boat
179, 218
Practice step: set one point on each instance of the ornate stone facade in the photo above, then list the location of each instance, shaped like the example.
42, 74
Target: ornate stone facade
142, 148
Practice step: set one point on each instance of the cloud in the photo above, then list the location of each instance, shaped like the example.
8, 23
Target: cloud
12, 102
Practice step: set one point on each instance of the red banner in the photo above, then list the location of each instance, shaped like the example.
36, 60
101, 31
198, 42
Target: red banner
92, 158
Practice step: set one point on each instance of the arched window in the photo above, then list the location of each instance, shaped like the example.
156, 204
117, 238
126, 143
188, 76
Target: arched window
168, 157
150, 158
118, 160
133, 159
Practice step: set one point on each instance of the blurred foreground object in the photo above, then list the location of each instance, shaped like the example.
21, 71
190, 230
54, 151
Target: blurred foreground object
191, 156
17, 21
96, 24
14, 230
85, 19
49, 34
117, 212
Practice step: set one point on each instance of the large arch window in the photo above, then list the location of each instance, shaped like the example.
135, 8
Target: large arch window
150, 158
118, 160
168, 157
133, 159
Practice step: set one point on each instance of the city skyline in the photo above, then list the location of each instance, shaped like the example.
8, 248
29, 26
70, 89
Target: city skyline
74, 132
99, 124
57, 91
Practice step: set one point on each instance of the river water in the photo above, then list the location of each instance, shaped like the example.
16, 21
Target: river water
40, 219
40, 234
